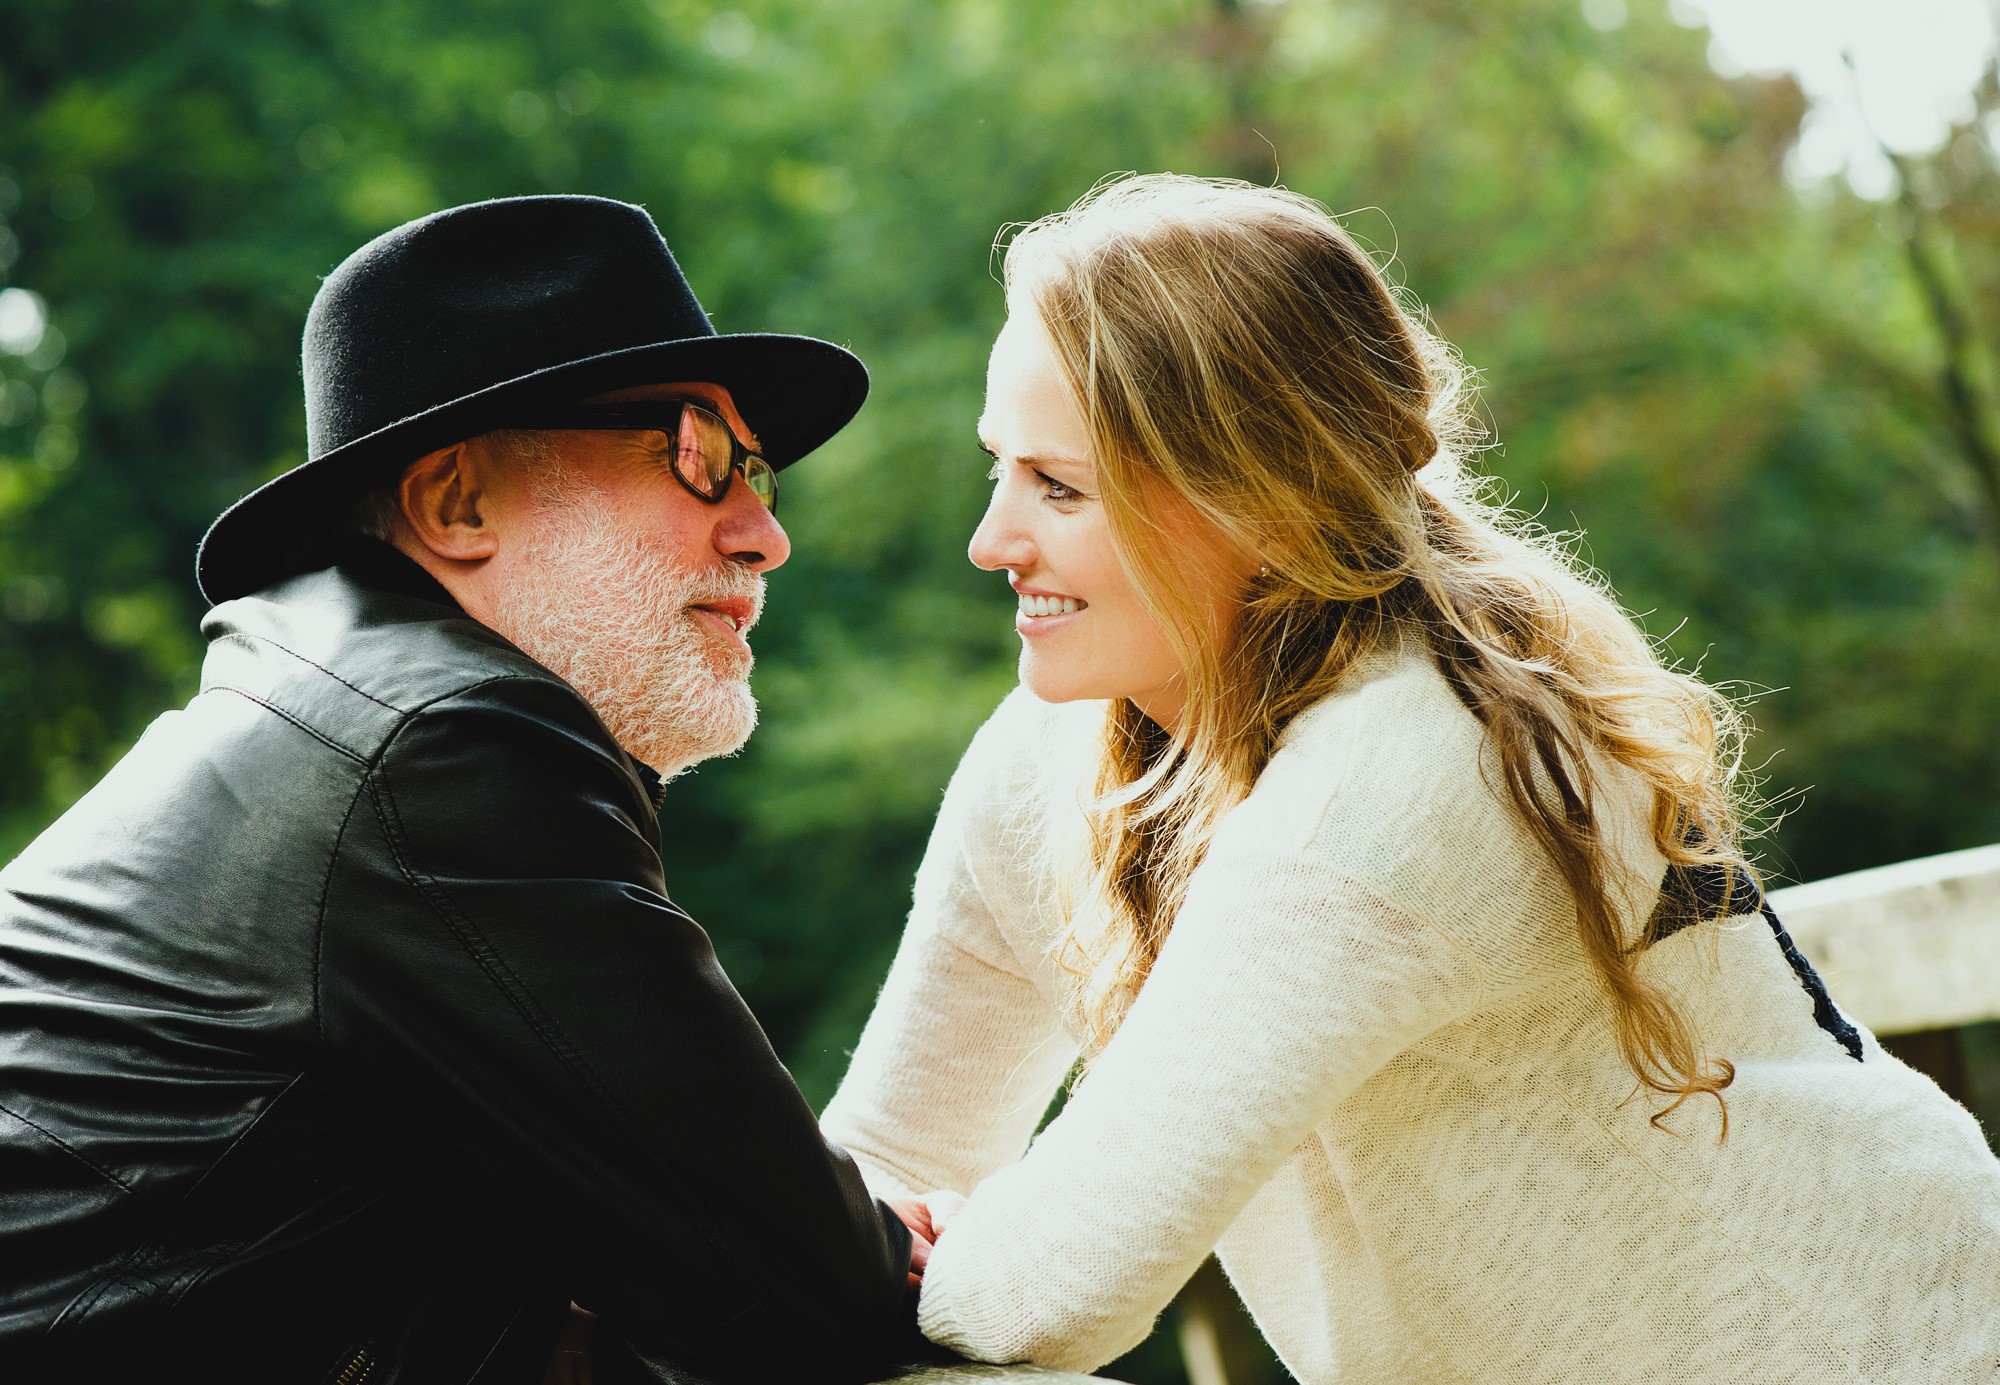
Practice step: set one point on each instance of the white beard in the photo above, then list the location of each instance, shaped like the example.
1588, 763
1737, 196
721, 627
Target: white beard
608, 613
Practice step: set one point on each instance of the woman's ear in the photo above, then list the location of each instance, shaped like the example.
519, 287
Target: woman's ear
442, 494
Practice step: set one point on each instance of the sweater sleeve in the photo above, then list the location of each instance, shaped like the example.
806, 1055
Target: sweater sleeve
1282, 987
962, 1053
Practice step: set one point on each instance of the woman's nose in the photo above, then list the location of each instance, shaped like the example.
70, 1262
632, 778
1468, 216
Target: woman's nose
998, 542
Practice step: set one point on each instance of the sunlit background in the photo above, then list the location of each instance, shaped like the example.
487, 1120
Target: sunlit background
1730, 270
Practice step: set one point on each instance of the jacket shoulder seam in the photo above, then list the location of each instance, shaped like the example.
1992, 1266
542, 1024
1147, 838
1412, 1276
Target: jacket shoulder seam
329, 742
250, 636
406, 715
326, 893
537, 680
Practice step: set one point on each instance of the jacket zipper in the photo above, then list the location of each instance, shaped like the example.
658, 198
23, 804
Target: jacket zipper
357, 1370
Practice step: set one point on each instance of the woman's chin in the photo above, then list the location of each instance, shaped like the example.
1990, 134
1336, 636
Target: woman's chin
1053, 684
1050, 682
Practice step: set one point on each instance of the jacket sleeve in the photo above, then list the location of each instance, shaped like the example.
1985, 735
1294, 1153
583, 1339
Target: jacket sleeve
508, 965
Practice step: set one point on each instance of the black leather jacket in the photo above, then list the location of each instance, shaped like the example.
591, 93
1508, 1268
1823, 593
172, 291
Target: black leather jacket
347, 1033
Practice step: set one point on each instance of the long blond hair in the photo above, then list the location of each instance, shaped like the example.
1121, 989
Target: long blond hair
1233, 349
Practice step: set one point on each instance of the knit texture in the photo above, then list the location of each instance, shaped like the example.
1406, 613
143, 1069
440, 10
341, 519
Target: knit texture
1373, 1070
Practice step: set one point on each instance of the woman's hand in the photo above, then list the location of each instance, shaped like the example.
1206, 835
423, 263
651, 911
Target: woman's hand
917, 1217
925, 1216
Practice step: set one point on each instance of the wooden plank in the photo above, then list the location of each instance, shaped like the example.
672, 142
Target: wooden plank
1907, 947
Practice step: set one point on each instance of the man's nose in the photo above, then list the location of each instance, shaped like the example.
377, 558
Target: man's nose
747, 533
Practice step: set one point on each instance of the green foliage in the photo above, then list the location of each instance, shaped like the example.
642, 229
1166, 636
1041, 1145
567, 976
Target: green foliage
1733, 388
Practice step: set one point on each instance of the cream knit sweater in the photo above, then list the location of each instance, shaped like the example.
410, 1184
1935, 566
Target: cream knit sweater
1372, 1069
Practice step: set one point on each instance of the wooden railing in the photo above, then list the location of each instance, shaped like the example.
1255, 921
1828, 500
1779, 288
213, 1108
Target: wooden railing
1911, 950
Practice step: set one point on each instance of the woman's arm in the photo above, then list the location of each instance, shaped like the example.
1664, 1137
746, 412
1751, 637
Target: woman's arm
962, 1053
1283, 986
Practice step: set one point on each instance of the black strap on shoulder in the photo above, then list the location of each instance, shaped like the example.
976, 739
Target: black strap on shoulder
1700, 894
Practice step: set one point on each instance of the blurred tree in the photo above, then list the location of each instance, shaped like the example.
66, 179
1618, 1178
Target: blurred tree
1949, 223
1736, 387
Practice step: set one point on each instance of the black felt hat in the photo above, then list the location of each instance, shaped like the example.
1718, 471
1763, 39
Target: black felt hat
456, 323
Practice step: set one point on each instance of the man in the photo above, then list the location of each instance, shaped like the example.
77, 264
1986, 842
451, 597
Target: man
347, 1032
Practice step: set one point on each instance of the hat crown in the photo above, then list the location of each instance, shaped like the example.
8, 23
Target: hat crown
465, 299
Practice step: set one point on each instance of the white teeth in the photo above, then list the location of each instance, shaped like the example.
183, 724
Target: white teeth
1034, 606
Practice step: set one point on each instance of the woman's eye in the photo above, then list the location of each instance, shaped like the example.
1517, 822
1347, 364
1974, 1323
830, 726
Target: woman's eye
1052, 490
1056, 490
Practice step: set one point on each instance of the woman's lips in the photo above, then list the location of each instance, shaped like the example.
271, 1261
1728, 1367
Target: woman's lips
1045, 612
1031, 627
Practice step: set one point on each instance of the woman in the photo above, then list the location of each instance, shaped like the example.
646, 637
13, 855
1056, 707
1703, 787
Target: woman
1330, 831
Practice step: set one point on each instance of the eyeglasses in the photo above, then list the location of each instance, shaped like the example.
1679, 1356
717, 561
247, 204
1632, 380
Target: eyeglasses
702, 451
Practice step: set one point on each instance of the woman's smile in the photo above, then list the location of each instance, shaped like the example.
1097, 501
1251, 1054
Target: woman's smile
1043, 612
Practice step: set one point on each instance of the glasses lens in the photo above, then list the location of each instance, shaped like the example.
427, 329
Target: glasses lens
708, 451
762, 480
706, 445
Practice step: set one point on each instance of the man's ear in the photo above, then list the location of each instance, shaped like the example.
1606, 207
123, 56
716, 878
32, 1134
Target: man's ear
442, 496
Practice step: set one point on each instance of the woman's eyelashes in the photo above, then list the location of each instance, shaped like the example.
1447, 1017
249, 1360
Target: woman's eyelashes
1054, 491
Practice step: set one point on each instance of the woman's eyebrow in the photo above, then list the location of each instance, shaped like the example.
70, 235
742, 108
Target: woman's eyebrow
1043, 462
1035, 460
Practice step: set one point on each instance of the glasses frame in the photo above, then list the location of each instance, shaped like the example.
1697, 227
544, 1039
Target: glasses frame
665, 416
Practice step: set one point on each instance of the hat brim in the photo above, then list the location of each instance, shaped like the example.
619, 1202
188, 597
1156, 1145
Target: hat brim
794, 392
